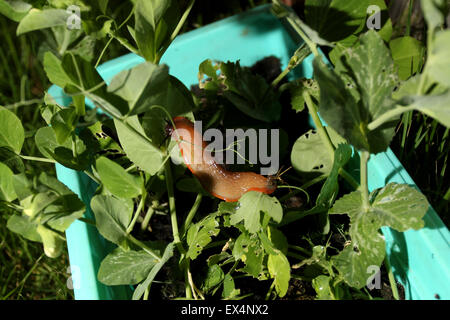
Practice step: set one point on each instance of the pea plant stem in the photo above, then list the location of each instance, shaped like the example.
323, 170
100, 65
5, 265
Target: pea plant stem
176, 31
313, 112
191, 214
392, 281
364, 157
172, 208
137, 213
37, 159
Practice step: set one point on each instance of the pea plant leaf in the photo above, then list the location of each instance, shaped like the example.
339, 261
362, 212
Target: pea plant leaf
142, 86
12, 134
119, 182
12, 160
199, 235
434, 12
126, 266
139, 291
112, 217
78, 158
280, 269
23, 225
213, 278
248, 92
138, 146
7, 192
310, 157
334, 20
155, 21
407, 53
249, 249
14, 10
396, 205
63, 123
371, 68
251, 204
53, 243
36, 19
437, 66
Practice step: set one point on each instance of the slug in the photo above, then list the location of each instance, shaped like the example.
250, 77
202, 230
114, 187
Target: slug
213, 177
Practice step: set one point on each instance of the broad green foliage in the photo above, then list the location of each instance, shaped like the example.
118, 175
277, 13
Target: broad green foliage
120, 183
112, 217
154, 24
334, 20
12, 134
126, 267
397, 206
250, 207
248, 92
408, 54
310, 157
15, 10
371, 70
200, 234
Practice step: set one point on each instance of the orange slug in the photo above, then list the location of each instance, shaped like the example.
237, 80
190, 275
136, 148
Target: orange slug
213, 177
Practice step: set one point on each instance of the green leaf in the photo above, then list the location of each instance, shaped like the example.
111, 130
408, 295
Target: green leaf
40, 19
54, 70
125, 267
155, 21
310, 157
47, 144
334, 20
213, 277
24, 226
34, 204
142, 86
199, 235
298, 87
11, 159
12, 134
119, 182
63, 212
7, 192
438, 62
139, 291
249, 249
252, 203
434, 12
248, 92
22, 186
229, 289
396, 205
435, 106
112, 217
408, 54
322, 286
64, 123
177, 101
371, 69
53, 243
14, 9
280, 269
138, 147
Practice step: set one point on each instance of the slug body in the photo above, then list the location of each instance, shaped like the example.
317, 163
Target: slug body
214, 178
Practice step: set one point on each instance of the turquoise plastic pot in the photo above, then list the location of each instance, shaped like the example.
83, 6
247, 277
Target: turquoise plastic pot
420, 259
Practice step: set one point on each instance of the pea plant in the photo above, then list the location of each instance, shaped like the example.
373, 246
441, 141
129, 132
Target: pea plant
207, 250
